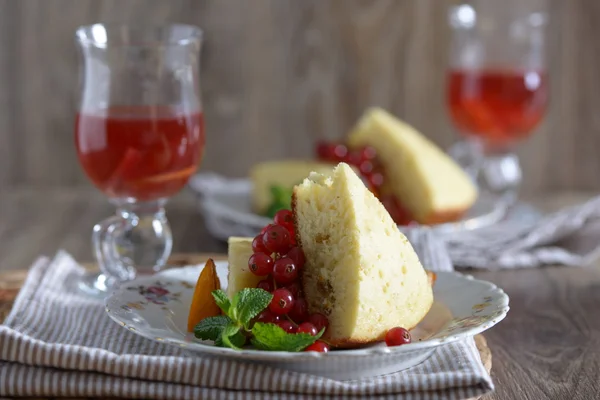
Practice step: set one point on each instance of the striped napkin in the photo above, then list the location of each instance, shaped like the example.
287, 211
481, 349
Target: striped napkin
59, 342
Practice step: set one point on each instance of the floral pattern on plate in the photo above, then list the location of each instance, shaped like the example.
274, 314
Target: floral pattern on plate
158, 292
157, 307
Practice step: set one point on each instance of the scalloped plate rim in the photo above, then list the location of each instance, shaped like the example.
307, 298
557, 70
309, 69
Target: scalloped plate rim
198, 346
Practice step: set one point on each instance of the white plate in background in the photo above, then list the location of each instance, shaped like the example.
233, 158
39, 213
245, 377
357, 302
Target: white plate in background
227, 209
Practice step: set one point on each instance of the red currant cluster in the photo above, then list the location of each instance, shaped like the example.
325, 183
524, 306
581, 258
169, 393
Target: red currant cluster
365, 159
277, 257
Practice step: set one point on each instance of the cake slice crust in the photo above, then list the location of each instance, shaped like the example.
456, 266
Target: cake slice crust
426, 180
361, 271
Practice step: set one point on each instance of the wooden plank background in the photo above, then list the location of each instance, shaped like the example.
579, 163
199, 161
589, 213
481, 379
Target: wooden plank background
278, 74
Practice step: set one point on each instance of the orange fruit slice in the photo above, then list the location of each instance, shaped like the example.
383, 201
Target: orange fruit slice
431, 277
169, 176
203, 303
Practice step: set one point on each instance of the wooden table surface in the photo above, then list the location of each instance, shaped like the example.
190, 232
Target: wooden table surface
547, 347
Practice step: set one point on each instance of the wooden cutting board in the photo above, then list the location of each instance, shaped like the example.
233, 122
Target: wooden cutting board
11, 282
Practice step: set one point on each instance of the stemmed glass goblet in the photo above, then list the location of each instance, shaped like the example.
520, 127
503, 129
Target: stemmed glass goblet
497, 88
139, 135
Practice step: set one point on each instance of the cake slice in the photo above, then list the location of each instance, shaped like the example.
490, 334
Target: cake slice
361, 271
428, 183
238, 252
273, 181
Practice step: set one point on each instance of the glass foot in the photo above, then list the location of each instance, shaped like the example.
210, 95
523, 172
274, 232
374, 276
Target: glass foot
523, 213
95, 284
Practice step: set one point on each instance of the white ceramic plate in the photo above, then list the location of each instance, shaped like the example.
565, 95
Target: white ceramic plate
226, 206
157, 306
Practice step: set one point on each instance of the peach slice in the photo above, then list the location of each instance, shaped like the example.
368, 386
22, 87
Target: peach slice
431, 277
203, 303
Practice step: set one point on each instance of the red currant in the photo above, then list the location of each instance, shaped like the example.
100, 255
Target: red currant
299, 312
260, 264
397, 212
258, 246
319, 320
264, 229
397, 336
325, 150
285, 218
284, 271
331, 151
267, 317
353, 158
368, 153
318, 346
297, 256
265, 284
366, 167
277, 239
282, 301
307, 327
294, 289
376, 179
340, 151
287, 326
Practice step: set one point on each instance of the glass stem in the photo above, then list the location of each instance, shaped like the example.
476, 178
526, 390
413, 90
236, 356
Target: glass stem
137, 239
500, 173
131, 210
496, 170
147, 241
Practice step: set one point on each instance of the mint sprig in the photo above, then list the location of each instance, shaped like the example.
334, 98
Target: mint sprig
233, 329
228, 334
210, 328
248, 303
222, 300
272, 337
281, 199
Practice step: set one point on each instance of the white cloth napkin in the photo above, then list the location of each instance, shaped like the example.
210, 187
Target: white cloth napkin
58, 342
567, 237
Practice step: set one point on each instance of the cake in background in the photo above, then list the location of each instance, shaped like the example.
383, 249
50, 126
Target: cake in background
414, 179
273, 182
428, 184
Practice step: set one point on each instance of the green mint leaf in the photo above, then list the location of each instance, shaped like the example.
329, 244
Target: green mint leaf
278, 191
272, 338
286, 196
281, 199
222, 300
239, 340
248, 303
227, 335
210, 328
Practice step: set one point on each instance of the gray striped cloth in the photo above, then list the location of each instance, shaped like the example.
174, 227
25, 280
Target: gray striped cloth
570, 237
58, 342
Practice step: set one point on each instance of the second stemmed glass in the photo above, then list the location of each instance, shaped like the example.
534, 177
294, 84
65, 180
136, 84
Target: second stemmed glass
497, 88
139, 136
